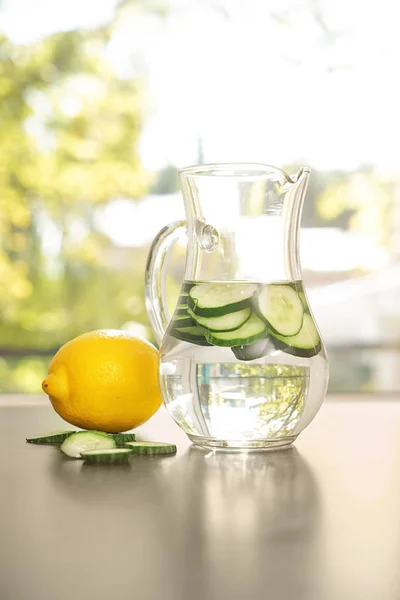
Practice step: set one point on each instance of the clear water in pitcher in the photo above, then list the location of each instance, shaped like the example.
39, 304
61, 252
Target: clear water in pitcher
241, 360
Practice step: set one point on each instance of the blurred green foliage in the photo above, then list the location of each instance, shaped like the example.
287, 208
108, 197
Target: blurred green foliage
69, 131
23, 375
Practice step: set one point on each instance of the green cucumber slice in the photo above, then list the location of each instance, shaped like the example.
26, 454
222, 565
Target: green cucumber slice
151, 447
217, 299
56, 437
81, 441
183, 321
181, 309
227, 322
107, 457
254, 329
281, 307
306, 343
256, 350
121, 438
194, 335
193, 330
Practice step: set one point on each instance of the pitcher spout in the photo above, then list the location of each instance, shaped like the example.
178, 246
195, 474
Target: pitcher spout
302, 175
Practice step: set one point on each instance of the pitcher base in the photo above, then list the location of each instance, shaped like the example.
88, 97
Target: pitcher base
243, 445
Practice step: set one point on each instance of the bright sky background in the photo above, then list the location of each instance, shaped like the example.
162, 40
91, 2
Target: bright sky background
254, 89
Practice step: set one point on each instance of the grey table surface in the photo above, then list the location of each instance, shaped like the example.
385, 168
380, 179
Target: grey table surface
318, 521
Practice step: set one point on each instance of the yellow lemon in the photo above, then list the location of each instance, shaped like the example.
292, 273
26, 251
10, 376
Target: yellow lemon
105, 380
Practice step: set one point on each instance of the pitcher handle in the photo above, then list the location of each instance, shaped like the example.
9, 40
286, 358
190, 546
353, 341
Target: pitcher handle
155, 277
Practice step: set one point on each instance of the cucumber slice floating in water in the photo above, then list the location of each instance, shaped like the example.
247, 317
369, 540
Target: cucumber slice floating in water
181, 309
184, 321
81, 441
254, 329
263, 347
194, 335
224, 323
56, 437
193, 330
281, 307
151, 447
306, 343
216, 299
107, 457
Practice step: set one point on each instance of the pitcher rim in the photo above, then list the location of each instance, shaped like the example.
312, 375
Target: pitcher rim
261, 170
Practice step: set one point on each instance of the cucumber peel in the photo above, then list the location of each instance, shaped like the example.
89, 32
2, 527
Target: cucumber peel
110, 456
181, 310
193, 334
259, 349
151, 447
184, 321
56, 437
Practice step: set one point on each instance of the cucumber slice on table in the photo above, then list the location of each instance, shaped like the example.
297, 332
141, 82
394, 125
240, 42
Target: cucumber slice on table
224, 323
81, 441
306, 343
254, 329
151, 447
56, 437
107, 457
216, 299
121, 438
281, 307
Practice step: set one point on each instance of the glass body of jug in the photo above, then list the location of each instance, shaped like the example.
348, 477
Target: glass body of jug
242, 363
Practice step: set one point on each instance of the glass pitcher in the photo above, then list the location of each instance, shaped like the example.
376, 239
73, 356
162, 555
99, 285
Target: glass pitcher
242, 363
